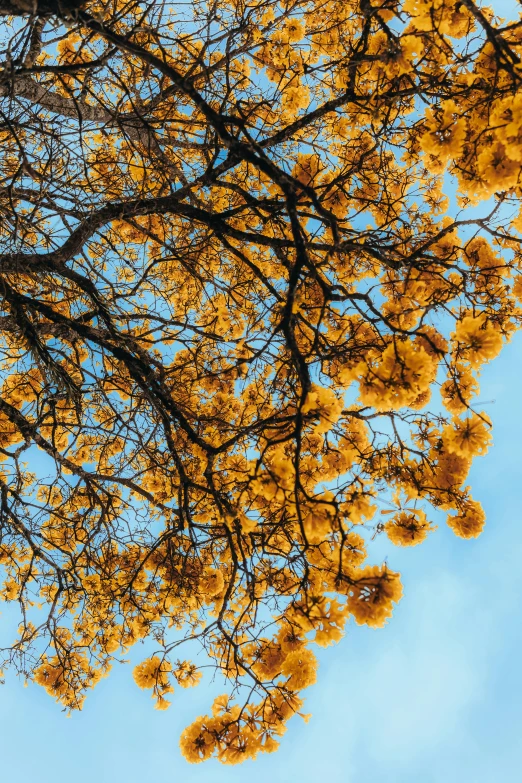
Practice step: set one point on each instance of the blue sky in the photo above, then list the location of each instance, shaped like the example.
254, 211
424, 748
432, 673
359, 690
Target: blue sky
434, 697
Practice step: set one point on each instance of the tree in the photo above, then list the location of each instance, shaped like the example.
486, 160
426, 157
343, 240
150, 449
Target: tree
230, 281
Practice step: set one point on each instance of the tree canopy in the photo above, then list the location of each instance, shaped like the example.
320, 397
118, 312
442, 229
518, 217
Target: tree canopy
253, 257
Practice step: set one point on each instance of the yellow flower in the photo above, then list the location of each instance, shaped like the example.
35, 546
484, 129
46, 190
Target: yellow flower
307, 167
371, 596
198, 741
281, 465
268, 658
451, 470
444, 136
187, 675
517, 288
404, 372
324, 405
318, 518
295, 97
470, 522
357, 506
9, 434
212, 583
289, 640
151, 672
468, 437
408, 528
457, 392
478, 340
301, 668
448, 18
506, 118
293, 30
498, 170
404, 59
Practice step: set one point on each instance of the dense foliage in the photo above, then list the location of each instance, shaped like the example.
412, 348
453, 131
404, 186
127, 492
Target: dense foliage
231, 282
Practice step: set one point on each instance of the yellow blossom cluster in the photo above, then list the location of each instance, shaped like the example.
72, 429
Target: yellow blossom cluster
477, 340
408, 528
469, 522
154, 673
371, 595
468, 437
402, 373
